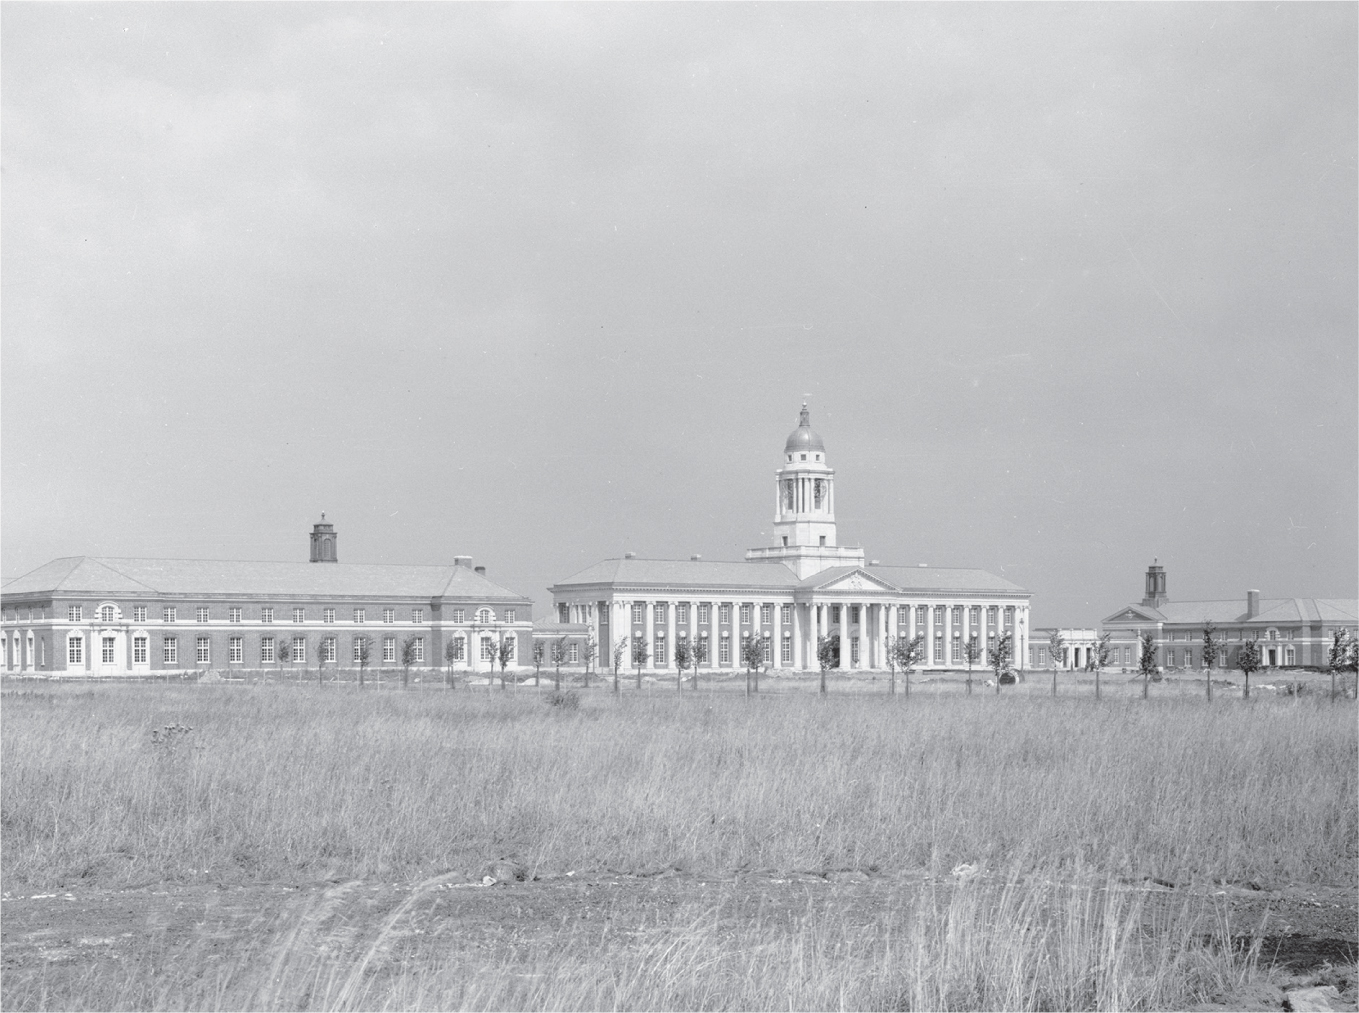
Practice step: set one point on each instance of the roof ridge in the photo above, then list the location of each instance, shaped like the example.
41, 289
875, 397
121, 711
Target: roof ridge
125, 576
280, 562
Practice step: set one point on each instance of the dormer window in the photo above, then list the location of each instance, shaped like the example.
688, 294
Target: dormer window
817, 456
804, 457
790, 457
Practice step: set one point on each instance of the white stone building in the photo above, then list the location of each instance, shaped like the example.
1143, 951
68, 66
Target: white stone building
790, 594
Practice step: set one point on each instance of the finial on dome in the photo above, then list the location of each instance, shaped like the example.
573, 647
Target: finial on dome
804, 417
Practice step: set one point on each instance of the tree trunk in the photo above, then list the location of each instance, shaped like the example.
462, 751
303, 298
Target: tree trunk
823, 682
1096, 682
1054, 680
1247, 693
1146, 683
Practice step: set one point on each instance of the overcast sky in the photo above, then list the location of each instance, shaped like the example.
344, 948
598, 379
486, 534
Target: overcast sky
1067, 287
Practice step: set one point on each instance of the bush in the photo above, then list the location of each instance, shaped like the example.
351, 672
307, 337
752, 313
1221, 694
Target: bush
567, 700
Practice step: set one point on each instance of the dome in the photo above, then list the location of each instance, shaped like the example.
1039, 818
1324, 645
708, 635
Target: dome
803, 438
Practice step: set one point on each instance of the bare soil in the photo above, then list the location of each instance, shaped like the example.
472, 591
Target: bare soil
55, 944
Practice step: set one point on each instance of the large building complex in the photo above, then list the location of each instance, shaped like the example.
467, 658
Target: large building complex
788, 596
1293, 632
84, 615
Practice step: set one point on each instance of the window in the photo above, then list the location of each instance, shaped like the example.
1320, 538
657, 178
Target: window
171, 615
107, 647
459, 615
459, 649
767, 649
487, 648
766, 614
1042, 657
107, 613
510, 641
853, 650
853, 614
388, 650
1289, 656
300, 650
75, 650
745, 614
485, 615
975, 617
75, 613
1273, 635
638, 611
139, 650
234, 615
200, 614
169, 650
903, 617
203, 650
328, 649
703, 614
938, 649
724, 651
957, 648
359, 643
266, 650
139, 613
418, 615
327, 615
563, 612
786, 614
835, 613
1009, 615
660, 647
360, 615
573, 653
266, 615
939, 620
724, 612
299, 615
922, 617
786, 650
419, 650
509, 615
236, 650
1188, 658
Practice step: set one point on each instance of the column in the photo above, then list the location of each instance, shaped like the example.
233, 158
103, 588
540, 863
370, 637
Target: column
670, 632
649, 628
798, 653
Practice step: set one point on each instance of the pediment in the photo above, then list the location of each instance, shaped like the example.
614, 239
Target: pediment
1131, 614
859, 580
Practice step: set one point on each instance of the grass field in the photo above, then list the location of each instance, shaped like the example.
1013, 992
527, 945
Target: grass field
1070, 811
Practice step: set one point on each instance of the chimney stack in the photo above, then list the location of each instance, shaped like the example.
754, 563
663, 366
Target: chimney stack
481, 571
696, 557
629, 555
1252, 604
462, 561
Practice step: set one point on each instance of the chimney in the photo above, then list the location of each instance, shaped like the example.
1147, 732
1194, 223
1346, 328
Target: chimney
1252, 604
462, 561
629, 555
696, 557
481, 571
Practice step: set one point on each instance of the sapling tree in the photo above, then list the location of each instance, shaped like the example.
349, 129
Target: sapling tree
539, 650
752, 656
892, 665
1099, 658
827, 653
1146, 660
684, 657
504, 653
1341, 656
558, 656
1248, 660
909, 653
701, 649
972, 652
1057, 648
620, 651
363, 652
407, 660
284, 651
998, 656
590, 650
640, 654
450, 656
1212, 647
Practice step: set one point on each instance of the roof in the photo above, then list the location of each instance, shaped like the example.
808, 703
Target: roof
550, 628
1233, 610
935, 578
776, 575
90, 575
692, 572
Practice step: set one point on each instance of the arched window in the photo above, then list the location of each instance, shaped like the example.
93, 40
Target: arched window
327, 549
485, 615
107, 613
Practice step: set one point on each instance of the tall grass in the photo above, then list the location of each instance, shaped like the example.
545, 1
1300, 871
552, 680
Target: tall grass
289, 782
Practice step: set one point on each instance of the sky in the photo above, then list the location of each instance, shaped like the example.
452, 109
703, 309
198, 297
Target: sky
1068, 288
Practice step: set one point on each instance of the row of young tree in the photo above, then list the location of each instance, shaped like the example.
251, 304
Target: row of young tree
903, 654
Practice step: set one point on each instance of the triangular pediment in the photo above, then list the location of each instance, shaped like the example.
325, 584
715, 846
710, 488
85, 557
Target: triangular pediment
855, 580
1134, 614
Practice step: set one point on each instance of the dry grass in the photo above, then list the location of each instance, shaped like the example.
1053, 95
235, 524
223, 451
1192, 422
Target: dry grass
1064, 801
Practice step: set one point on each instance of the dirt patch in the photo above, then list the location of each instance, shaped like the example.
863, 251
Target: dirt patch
259, 944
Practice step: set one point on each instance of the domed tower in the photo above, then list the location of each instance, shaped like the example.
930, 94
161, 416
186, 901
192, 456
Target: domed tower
804, 510
323, 542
